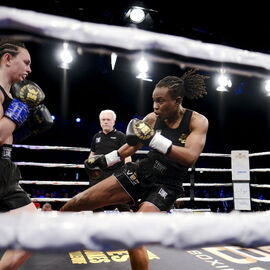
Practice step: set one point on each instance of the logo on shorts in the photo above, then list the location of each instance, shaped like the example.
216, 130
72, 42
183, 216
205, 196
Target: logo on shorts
163, 193
132, 176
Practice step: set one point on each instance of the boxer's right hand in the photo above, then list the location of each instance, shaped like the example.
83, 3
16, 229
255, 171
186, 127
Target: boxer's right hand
26, 94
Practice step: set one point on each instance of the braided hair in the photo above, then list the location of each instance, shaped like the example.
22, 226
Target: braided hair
190, 85
10, 46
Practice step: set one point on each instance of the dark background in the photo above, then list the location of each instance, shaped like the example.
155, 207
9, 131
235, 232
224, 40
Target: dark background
239, 119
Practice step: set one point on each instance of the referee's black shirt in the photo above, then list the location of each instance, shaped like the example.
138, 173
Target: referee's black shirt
105, 143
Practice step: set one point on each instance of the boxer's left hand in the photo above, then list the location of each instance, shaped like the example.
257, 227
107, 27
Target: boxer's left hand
94, 173
39, 119
102, 161
140, 131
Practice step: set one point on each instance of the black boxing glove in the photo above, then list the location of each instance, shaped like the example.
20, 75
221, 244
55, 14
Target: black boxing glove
102, 161
28, 92
39, 119
140, 131
94, 173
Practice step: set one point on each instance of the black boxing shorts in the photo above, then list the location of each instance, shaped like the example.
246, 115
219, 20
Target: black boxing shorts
144, 189
12, 196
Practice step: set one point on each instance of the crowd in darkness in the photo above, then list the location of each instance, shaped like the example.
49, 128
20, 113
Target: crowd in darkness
57, 192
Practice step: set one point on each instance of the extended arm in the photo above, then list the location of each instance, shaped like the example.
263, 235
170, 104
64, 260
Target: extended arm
142, 132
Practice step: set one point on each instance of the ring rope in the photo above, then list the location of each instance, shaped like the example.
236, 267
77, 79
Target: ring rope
62, 148
259, 154
86, 183
260, 186
198, 199
64, 231
50, 165
84, 149
50, 199
260, 170
80, 166
260, 201
67, 165
110, 36
62, 183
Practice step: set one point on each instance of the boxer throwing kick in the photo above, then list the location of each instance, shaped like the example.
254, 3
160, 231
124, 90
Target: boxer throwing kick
176, 137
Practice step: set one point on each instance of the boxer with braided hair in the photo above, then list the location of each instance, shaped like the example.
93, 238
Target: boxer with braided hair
176, 137
15, 111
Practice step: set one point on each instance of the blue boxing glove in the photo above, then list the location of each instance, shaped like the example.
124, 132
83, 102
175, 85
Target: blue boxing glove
139, 131
17, 111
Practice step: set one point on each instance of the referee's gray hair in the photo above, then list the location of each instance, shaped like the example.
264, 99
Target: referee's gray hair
108, 111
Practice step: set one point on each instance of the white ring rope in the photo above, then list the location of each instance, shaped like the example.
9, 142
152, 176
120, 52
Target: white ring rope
50, 165
50, 199
57, 183
74, 231
135, 40
84, 149
81, 166
260, 170
259, 154
260, 186
85, 183
198, 199
260, 201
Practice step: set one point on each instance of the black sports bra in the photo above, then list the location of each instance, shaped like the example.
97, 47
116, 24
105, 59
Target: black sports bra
7, 99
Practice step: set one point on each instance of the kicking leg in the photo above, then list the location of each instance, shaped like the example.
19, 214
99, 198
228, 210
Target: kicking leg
104, 193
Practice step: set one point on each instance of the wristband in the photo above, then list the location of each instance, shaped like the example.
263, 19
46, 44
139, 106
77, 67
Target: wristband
112, 158
161, 143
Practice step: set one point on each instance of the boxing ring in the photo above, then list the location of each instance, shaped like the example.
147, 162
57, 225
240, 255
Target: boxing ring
188, 183
199, 238
204, 240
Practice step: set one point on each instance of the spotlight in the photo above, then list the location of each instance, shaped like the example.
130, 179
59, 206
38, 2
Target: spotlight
65, 56
142, 65
136, 15
223, 82
267, 87
143, 68
78, 119
113, 60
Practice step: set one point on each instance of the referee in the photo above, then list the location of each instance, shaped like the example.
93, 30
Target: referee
104, 142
